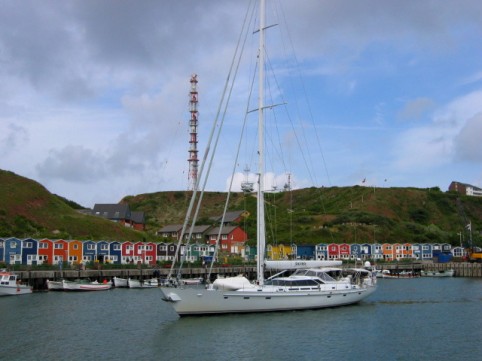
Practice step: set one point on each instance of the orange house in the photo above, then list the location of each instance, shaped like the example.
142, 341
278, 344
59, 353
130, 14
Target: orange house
61, 251
75, 252
407, 250
398, 251
388, 251
45, 251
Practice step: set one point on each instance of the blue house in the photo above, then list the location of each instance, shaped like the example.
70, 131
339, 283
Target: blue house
115, 252
321, 251
2, 250
102, 251
305, 252
89, 251
417, 251
427, 251
29, 251
13, 251
366, 251
355, 251
377, 251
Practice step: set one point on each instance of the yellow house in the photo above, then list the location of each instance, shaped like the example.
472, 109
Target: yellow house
280, 252
75, 252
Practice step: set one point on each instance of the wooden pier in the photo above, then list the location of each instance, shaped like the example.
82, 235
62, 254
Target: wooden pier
38, 278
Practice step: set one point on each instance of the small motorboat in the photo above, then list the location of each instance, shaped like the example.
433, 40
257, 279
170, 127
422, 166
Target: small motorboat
10, 285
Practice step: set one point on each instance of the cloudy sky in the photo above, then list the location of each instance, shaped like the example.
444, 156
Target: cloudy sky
94, 94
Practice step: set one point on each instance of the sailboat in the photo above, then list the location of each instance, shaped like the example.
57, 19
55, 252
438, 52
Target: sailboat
309, 287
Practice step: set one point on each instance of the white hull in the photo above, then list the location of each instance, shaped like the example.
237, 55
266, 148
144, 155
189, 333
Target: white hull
11, 286
443, 273
149, 283
7, 290
120, 282
200, 301
55, 285
79, 286
299, 264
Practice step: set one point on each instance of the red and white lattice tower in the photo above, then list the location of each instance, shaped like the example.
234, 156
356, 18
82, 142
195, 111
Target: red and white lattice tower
193, 123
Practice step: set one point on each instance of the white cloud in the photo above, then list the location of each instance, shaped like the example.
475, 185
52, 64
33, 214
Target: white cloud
452, 136
93, 95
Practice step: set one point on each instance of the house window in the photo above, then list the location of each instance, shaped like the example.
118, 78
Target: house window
58, 246
43, 245
104, 247
1, 244
162, 248
76, 246
224, 236
27, 245
73, 258
117, 247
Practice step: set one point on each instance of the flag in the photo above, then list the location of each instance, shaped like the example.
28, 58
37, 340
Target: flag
469, 226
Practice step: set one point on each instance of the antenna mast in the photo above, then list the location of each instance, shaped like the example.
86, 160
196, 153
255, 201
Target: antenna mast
193, 123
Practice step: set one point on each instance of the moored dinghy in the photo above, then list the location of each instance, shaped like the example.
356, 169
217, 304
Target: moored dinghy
55, 285
120, 282
85, 285
439, 273
147, 283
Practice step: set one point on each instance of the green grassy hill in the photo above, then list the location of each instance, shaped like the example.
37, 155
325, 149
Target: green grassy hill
27, 209
335, 214
304, 216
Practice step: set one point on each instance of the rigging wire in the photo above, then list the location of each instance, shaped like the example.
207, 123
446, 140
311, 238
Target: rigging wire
208, 151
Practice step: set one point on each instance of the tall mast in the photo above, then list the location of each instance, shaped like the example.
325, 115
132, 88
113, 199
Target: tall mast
193, 123
261, 231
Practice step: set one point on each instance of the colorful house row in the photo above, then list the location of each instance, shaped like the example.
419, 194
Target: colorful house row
35, 252
45, 251
377, 251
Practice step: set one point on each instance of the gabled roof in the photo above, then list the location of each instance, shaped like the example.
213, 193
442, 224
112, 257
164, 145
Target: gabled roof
199, 229
137, 217
171, 228
226, 230
229, 217
112, 211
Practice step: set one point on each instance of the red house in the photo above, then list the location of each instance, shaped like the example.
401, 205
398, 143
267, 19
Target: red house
345, 251
45, 251
333, 251
232, 238
145, 252
127, 249
61, 251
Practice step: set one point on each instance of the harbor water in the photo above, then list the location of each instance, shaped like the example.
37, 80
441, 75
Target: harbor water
406, 319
